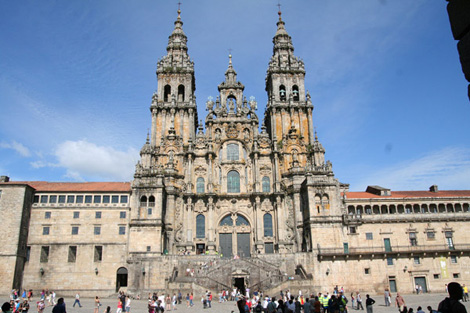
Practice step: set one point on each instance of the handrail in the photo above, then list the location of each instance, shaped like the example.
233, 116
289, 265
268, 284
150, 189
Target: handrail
393, 249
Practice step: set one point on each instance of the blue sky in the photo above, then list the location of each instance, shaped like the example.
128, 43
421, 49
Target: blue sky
76, 80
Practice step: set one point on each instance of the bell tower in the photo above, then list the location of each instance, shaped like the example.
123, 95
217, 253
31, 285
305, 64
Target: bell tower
288, 116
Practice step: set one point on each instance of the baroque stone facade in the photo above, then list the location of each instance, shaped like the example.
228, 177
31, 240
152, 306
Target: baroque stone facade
214, 192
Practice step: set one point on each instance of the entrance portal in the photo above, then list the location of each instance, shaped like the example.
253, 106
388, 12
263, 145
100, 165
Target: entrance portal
121, 278
234, 236
225, 242
243, 245
240, 284
421, 281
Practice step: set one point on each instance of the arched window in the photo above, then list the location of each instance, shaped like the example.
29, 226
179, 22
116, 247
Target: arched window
282, 92
325, 202
226, 221
200, 226
232, 152
143, 201
200, 185
151, 201
266, 184
166, 93
241, 221
180, 93
233, 182
295, 91
268, 225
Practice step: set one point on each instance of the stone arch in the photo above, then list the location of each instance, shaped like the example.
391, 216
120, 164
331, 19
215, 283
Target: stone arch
295, 92
282, 93
166, 93
181, 93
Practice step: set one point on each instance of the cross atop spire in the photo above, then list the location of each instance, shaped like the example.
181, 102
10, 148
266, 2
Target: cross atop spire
179, 9
279, 12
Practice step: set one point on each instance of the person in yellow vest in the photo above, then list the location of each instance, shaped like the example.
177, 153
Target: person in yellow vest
324, 301
465, 293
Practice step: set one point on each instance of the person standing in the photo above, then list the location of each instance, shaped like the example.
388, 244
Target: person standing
387, 297
59, 307
369, 303
128, 304
97, 305
400, 302
307, 306
359, 300
77, 300
465, 293
452, 304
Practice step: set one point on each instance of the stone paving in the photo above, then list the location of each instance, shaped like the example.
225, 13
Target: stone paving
140, 306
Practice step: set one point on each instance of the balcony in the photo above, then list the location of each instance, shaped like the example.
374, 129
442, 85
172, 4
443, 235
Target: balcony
371, 252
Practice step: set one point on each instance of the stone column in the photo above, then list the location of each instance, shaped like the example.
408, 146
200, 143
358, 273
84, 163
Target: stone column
311, 133
163, 123
298, 220
169, 222
153, 133
256, 172
189, 220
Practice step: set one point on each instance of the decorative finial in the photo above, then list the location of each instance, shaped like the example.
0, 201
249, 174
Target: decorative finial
279, 12
179, 9
316, 137
230, 57
148, 140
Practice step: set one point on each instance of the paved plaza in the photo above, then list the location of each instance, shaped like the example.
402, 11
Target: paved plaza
140, 306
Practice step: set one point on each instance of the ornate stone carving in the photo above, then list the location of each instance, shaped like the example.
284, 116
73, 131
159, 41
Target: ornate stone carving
232, 131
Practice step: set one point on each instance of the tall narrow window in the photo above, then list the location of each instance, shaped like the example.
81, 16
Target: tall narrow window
72, 254
200, 226
44, 254
266, 184
151, 201
180, 93
282, 92
143, 201
268, 225
166, 93
295, 91
449, 240
233, 182
232, 152
98, 255
413, 239
200, 185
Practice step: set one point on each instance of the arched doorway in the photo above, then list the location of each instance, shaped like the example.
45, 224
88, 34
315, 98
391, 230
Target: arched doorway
234, 236
121, 278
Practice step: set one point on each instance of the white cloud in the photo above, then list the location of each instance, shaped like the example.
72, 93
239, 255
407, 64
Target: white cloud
449, 168
18, 147
84, 161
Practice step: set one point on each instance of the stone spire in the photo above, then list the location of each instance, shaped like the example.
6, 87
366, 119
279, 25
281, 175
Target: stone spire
230, 74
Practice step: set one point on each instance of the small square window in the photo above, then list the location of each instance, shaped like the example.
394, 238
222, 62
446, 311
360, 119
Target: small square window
149, 211
98, 214
47, 215
352, 229
436, 276
45, 230
431, 235
148, 248
106, 199
389, 261
52, 199
28, 253
97, 199
44, 199
369, 236
76, 214
88, 199
122, 230
115, 199
123, 199
456, 275
416, 260
122, 214
79, 199
36, 199
61, 199
70, 199
97, 230
453, 259
367, 271
74, 230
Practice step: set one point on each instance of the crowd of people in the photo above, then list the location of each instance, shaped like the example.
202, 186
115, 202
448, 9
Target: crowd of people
247, 302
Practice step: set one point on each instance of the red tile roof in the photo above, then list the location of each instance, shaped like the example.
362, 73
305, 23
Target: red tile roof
410, 194
75, 187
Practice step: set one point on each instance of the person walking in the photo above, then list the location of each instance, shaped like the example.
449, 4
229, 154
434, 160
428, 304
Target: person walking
387, 297
400, 302
77, 300
369, 303
97, 305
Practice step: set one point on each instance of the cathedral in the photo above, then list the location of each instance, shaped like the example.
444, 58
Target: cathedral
231, 200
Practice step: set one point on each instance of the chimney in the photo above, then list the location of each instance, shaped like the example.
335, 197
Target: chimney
433, 188
4, 179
